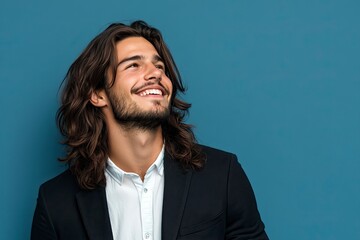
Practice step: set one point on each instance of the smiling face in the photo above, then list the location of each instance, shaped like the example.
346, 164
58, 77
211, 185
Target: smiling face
141, 94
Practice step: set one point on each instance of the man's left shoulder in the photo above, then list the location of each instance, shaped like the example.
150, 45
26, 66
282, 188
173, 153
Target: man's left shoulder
215, 151
217, 157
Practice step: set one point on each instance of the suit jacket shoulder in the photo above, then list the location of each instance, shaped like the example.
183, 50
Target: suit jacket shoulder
220, 201
65, 211
216, 156
63, 184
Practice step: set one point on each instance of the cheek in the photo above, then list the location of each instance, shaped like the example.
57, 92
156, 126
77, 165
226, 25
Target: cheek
123, 85
168, 85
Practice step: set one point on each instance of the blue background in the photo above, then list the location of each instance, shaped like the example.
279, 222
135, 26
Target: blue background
276, 82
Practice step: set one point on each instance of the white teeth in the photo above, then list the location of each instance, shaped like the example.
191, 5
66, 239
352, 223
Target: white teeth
151, 91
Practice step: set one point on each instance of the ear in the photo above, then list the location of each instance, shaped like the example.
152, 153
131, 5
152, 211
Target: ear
98, 98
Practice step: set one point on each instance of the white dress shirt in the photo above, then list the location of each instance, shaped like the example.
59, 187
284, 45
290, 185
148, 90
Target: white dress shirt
135, 207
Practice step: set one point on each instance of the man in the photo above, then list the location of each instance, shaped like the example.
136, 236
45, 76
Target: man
135, 170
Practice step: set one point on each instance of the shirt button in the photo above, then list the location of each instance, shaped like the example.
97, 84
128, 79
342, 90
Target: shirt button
145, 190
147, 235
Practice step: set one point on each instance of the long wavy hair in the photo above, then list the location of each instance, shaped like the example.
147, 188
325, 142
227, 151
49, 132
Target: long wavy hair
83, 125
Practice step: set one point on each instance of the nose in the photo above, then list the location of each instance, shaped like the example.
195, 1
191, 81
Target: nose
153, 73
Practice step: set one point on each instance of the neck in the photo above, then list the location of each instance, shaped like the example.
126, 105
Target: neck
134, 150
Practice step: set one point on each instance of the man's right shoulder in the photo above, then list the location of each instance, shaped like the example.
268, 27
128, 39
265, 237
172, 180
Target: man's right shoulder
64, 183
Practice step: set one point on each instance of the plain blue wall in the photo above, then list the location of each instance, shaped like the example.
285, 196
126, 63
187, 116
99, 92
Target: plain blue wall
276, 82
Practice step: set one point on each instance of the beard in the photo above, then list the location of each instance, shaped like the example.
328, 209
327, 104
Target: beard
129, 115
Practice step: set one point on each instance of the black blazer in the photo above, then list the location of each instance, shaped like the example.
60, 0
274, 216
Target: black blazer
216, 202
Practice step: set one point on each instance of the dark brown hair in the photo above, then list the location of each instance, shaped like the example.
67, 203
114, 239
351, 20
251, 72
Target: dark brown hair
83, 125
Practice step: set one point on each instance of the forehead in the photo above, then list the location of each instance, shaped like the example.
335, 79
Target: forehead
134, 46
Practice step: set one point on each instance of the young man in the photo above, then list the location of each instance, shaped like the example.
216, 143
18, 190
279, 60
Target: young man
135, 170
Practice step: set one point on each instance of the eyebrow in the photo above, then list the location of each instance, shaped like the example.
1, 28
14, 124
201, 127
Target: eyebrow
155, 58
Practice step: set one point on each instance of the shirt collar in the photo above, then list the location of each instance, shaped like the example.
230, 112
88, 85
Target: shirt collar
118, 174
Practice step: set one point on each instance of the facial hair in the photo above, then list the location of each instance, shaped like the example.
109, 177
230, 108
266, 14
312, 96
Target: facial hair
129, 115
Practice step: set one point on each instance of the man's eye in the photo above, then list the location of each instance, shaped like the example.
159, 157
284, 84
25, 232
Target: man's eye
133, 65
160, 66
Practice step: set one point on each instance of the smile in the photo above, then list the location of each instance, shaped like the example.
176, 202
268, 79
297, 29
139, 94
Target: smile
147, 92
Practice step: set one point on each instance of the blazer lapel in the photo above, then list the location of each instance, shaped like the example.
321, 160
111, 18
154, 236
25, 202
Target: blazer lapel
177, 182
94, 213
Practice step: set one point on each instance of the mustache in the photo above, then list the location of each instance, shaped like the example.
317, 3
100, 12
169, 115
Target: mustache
138, 89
